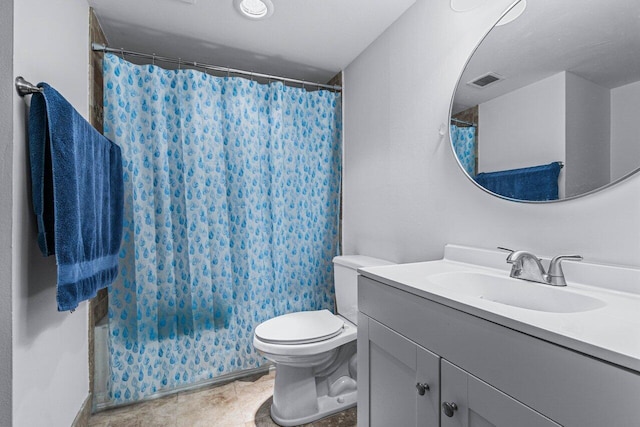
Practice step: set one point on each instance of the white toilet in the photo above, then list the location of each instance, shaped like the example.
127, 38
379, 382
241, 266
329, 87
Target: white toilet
315, 352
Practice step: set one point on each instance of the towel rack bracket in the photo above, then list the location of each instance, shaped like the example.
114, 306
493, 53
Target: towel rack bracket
23, 87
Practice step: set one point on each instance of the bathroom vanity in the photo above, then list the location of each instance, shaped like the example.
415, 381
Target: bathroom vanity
495, 350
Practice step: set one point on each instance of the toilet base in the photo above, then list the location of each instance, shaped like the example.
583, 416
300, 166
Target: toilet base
326, 406
304, 394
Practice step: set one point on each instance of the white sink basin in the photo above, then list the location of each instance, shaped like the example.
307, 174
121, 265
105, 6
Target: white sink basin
515, 292
595, 314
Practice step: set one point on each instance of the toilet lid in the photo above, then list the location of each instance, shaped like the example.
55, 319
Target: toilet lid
303, 327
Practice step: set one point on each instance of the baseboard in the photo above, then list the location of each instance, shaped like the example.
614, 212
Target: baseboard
82, 419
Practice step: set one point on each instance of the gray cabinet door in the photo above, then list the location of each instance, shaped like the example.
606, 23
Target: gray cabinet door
398, 371
480, 405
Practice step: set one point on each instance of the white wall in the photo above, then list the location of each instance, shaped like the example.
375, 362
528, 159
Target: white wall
50, 349
625, 138
525, 127
588, 141
6, 172
404, 195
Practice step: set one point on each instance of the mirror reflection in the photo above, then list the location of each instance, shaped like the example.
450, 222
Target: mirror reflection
547, 105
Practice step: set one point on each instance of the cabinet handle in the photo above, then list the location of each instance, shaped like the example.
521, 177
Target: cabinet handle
449, 408
422, 388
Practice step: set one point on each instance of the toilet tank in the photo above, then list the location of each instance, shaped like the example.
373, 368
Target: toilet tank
345, 274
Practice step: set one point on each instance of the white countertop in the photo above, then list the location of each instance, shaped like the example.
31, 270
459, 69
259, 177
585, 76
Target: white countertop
610, 332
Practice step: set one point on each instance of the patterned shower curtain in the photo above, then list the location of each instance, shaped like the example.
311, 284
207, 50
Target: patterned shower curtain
464, 145
231, 217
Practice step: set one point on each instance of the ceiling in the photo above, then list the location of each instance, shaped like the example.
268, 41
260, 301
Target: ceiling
598, 40
304, 39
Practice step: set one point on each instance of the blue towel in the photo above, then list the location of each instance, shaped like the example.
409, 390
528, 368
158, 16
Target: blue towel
76, 176
537, 183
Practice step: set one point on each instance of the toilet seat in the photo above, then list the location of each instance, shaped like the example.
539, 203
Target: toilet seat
346, 334
304, 327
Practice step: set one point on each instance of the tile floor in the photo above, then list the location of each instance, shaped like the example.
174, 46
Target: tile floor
242, 403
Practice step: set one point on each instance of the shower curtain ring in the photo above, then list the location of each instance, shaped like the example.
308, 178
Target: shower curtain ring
179, 63
122, 52
153, 60
227, 72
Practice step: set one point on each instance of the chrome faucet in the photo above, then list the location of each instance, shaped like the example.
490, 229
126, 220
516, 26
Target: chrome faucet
527, 266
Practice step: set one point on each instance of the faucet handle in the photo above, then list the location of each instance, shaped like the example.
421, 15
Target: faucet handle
555, 267
511, 252
555, 273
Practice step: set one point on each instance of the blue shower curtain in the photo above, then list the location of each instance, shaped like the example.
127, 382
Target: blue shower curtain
231, 217
464, 145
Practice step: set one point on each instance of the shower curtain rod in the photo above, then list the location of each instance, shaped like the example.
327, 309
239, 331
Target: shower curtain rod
98, 47
463, 122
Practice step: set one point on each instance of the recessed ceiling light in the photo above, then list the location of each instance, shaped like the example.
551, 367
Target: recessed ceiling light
254, 9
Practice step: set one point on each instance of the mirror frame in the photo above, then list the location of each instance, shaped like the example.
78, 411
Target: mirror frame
461, 168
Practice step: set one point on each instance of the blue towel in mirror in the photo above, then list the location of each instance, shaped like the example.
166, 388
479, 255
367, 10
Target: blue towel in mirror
76, 176
537, 183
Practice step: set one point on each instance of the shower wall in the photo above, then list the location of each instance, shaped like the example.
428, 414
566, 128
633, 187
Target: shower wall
99, 305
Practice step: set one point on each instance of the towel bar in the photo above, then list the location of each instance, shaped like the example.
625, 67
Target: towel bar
25, 88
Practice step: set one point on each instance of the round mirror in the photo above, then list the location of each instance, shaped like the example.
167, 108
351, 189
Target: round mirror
548, 104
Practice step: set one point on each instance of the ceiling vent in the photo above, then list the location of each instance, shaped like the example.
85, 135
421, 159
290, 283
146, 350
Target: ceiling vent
485, 80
